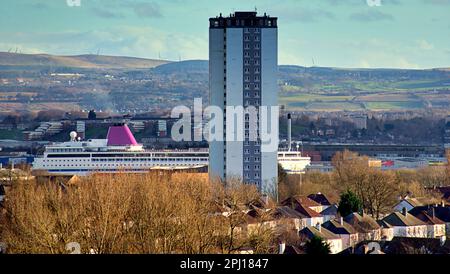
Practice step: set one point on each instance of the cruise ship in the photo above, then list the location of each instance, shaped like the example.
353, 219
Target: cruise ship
120, 152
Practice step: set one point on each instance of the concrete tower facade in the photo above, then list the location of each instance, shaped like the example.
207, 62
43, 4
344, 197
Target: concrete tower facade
243, 66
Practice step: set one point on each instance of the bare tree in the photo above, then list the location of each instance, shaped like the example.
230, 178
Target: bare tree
157, 212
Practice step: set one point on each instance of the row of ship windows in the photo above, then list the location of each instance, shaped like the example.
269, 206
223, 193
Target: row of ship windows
151, 159
65, 150
130, 160
106, 165
66, 160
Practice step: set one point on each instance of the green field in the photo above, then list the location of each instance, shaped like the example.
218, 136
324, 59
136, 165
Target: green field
377, 101
394, 105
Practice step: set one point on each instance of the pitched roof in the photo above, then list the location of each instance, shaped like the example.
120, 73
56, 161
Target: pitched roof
429, 219
331, 210
298, 199
337, 228
217, 207
307, 212
399, 219
291, 249
406, 245
442, 213
252, 216
285, 212
383, 224
324, 233
444, 190
414, 202
362, 223
364, 247
256, 203
320, 199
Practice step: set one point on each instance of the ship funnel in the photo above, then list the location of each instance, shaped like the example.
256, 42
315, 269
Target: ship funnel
120, 135
289, 131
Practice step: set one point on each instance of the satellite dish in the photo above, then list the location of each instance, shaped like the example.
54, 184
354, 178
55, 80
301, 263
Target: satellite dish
73, 135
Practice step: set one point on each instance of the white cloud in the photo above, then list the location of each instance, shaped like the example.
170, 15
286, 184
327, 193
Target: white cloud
425, 45
144, 42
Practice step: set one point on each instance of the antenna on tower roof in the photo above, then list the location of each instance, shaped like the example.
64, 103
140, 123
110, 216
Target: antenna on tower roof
256, 9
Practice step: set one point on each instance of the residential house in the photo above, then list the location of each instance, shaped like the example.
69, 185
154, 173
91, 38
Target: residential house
221, 209
295, 201
368, 229
435, 226
329, 213
387, 230
287, 218
329, 237
365, 247
406, 225
309, 216
344, 230
444, 191
405, 245
441, 212
320, 199
258, 219
402, 245
410, 203
291, 249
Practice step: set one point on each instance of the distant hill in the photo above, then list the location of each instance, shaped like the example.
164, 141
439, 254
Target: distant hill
192, 66
31, 82
78, 61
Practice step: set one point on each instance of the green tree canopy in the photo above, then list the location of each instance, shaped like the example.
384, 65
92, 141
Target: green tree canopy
317, 246
349, 203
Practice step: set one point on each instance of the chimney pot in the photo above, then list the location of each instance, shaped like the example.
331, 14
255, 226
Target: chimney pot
404, 211
318, 226
442, 240
281, 248
341, 221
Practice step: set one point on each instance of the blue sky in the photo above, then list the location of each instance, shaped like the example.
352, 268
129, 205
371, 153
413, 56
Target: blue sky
337, 33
